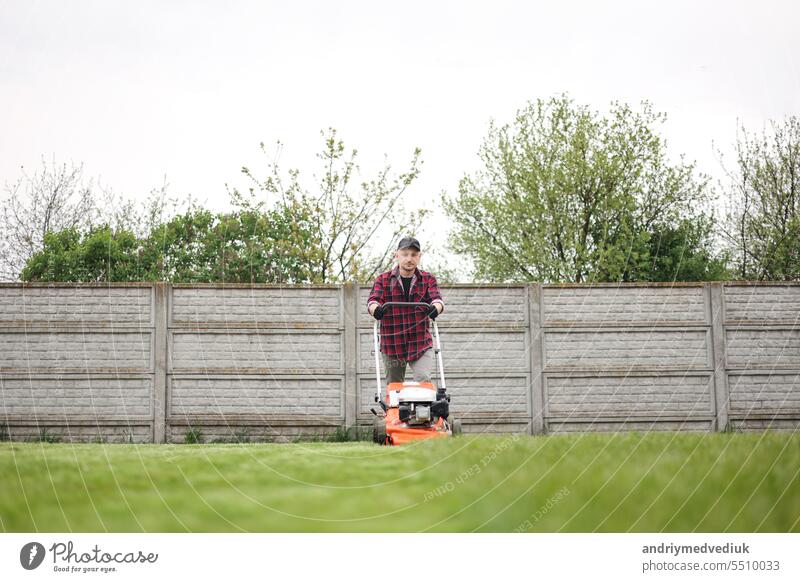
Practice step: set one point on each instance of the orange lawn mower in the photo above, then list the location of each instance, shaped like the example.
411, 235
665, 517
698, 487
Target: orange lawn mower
412, 411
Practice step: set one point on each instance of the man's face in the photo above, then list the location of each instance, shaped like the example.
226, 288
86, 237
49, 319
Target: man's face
408, 259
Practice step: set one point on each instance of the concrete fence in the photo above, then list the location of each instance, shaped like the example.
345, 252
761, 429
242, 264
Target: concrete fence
149, 362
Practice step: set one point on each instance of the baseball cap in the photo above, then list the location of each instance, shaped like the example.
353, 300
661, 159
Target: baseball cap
408, 242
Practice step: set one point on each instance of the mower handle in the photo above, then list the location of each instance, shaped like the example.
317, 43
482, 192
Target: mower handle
437, 347
407, 303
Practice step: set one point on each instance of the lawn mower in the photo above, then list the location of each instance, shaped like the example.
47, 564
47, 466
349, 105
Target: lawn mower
412, 411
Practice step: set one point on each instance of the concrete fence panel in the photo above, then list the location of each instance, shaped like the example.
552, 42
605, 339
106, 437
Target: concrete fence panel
76, 363
762, 337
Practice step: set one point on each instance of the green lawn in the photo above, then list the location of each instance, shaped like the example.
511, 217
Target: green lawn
594, 482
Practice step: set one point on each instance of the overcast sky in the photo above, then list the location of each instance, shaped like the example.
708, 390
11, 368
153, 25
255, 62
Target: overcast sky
139, 90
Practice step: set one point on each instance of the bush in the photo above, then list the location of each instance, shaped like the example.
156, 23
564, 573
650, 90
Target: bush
193, 436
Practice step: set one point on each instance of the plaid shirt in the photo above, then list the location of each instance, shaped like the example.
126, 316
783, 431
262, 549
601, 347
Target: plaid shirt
405, 333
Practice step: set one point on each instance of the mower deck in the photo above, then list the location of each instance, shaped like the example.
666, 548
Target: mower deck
390, 430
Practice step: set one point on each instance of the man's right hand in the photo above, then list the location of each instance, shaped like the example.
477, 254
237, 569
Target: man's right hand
378, 312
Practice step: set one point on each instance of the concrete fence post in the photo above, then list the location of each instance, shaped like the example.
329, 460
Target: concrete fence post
715, 291
161, 291
536, 358
350, 330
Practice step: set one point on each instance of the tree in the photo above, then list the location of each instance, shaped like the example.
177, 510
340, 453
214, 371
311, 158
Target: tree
144, 216
196, 246
568, 195
762, 227
248, 246
97, 255
59, 199
688, 249
355, 222
51, 199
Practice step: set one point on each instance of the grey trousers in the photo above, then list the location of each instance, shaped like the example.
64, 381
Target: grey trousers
422, 368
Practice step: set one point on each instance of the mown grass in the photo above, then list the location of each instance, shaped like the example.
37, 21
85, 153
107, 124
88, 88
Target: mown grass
621, 482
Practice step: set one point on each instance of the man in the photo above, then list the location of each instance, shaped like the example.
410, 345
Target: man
405, 337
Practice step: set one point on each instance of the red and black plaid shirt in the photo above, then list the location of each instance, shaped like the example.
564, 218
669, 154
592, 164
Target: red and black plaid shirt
405, 331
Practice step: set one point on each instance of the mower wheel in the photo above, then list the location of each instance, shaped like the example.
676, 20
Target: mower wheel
379, 431
455, 427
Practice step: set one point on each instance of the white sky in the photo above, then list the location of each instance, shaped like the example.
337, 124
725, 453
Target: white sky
140, 90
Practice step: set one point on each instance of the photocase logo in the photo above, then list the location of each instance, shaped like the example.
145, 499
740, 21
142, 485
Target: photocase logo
31, 555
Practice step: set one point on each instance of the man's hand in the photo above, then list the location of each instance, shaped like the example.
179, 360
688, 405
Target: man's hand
433, 310
378, 312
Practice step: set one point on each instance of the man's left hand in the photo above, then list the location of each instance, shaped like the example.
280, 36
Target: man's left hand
433, 311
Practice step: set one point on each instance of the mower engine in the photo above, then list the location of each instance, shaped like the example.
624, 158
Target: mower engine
420, 405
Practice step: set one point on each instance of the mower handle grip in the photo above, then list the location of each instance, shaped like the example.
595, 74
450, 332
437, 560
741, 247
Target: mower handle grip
407, 303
